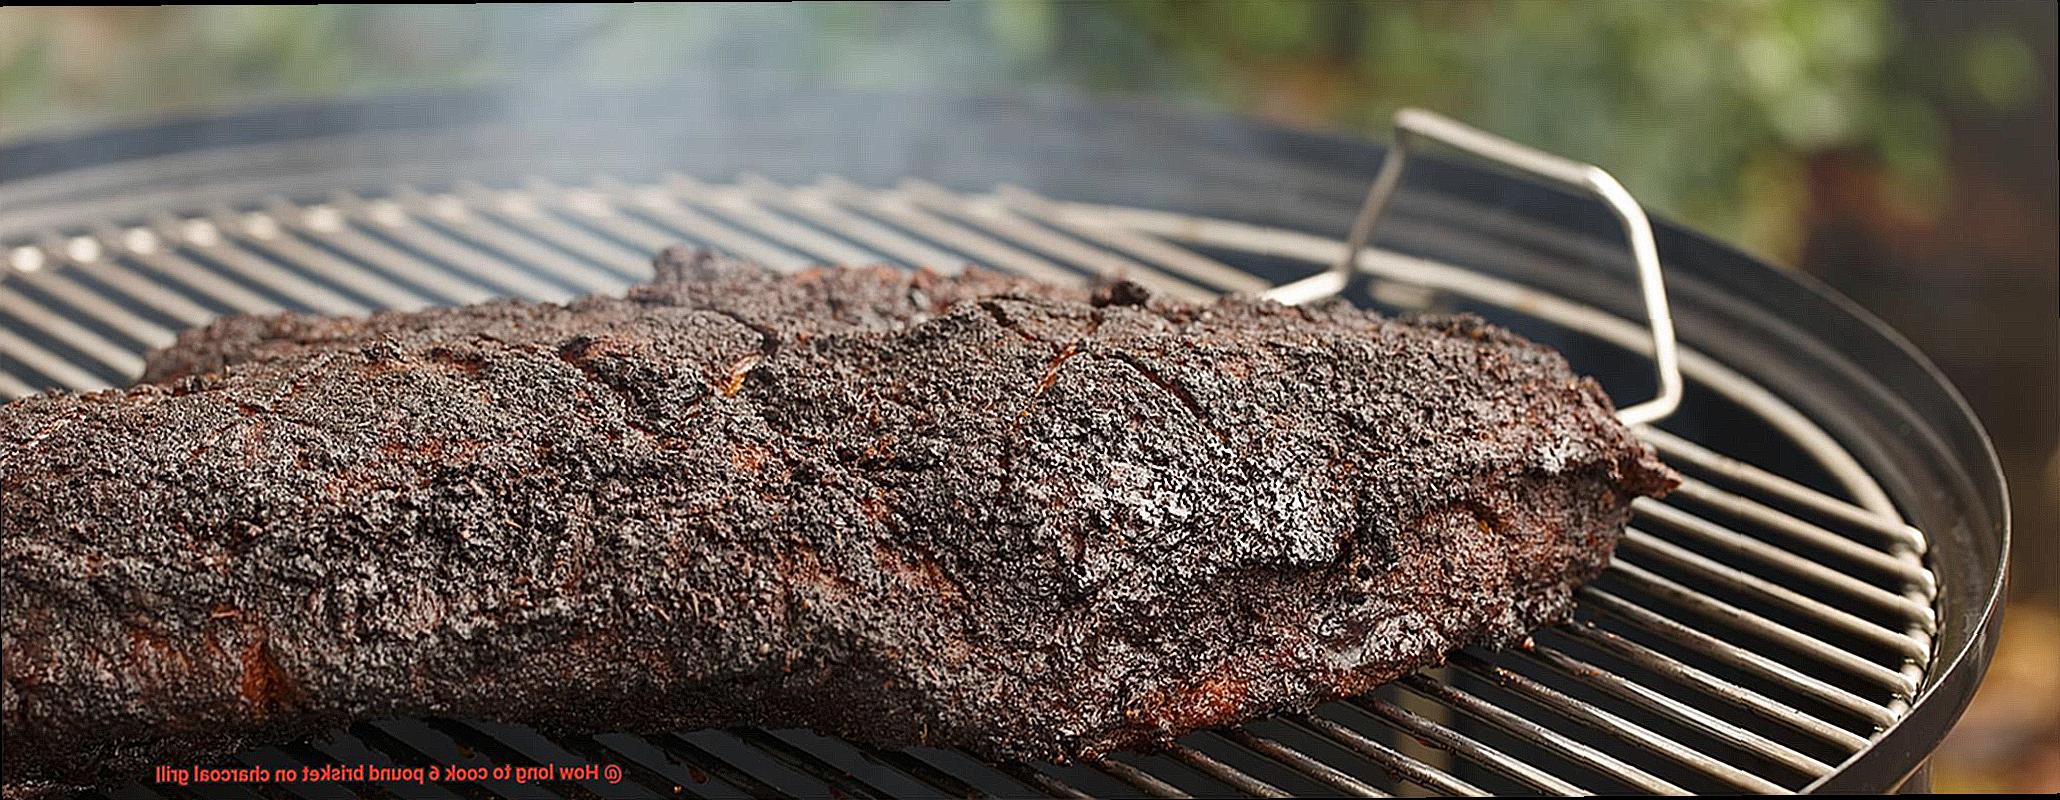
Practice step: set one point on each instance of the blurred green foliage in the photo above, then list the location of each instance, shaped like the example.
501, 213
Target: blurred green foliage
1708, 110
1705, 109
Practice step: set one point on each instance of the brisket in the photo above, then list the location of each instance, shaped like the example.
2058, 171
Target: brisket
904, 508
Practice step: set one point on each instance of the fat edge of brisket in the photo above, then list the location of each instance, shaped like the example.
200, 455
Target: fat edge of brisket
904, 508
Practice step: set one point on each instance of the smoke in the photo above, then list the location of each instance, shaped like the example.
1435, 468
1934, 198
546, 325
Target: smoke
872, 92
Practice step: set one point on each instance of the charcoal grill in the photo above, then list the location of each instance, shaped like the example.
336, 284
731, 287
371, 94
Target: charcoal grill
1810, 612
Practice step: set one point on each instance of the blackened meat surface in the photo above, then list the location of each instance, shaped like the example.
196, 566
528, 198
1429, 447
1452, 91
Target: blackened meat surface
904, 508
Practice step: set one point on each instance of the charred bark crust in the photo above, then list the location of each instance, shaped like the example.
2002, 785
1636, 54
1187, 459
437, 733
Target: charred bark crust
904, 508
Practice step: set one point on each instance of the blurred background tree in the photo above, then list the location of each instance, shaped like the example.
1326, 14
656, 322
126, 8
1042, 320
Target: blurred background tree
1901, 150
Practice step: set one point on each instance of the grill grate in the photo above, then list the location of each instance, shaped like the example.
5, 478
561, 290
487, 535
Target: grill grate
1752, 634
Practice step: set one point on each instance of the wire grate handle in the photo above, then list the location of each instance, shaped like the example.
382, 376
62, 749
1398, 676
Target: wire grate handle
1412, 124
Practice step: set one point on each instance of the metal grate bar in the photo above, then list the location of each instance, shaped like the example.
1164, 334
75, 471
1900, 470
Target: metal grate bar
670, 206
581, 245
1681, 450
837, 779
385, 218
663, 764
1436, 735
1652, 700
52, 368
740, 763
1144, 781
324, 226
58, 369
1167, 256
1911, 573
1302, 763
1046, 783
739, 207
815, 205
147, 247
515, 744
630, 234
1530, 731
99, 309
1697, 641
900, 779
1712, 686
522, 215
204, 239
93, 306
647, 774
92, 260
424, 745
393, 750
1602, 720
1226, 773
1393, 761
901, 210
259, 233
1726, 540
452, 215
118, 274
1649, 546
121, 360
10, 385
996, 218
298, 755
919, 769
1740, 619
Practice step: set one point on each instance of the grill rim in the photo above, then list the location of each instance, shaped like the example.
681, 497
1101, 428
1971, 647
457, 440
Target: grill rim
1954, 672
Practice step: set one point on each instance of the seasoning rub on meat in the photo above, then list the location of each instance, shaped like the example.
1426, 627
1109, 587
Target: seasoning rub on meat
904, 508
